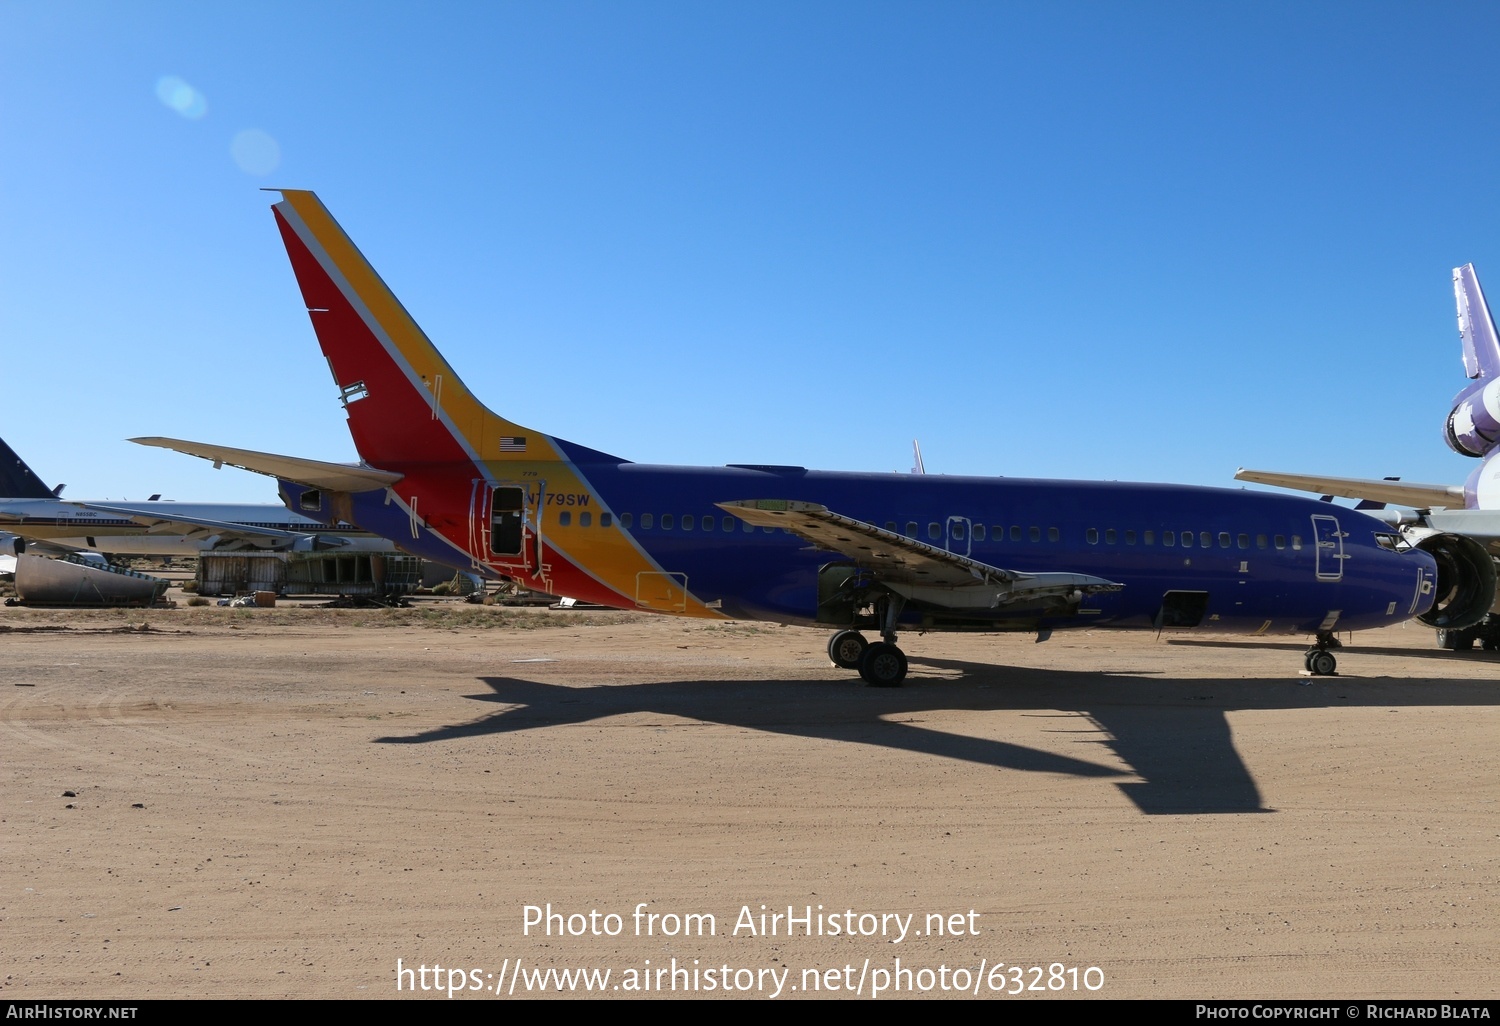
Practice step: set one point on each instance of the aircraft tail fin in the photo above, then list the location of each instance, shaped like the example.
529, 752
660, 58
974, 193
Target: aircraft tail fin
17, 480
1475, 325
404, 402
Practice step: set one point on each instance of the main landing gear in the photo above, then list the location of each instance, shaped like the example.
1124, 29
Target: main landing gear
880, 663
1319, 661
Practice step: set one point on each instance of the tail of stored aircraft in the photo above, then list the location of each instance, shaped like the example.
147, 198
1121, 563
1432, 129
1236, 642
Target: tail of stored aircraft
404, 402
1475, 325
1473, 424
17, 480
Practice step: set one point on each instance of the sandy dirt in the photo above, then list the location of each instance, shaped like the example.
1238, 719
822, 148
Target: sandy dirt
290, 803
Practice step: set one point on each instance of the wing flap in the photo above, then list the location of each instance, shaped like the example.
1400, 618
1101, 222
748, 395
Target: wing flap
337, 477
1402, 493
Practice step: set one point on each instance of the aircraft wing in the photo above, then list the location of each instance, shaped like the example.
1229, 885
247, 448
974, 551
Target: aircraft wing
1402, 493
1482, 525
897, 559
336, 477
198, 527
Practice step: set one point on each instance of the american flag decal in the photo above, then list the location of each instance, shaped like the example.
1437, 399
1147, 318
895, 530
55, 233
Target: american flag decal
512, 443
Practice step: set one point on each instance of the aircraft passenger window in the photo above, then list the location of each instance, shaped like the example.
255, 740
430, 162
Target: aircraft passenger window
1053, 534
1109, 536
890, 525
687, 522
727, 523
768, 530
1281, 541
646, 521
1223, 539
605, 519
585, 519
708, 523
1260, 541
627, 520
1168, 539
911, 528
958, 531
1296, 541
1187, 539
1093, 536
565, 519
1244, 541
934, 531
1149, 538
1015, 532
666, 521
1129, 537
1035, 533
1205, 539
979, 532
748, 527
998, 532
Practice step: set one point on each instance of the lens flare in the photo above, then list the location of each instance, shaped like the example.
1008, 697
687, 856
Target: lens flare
173, 92
255, 152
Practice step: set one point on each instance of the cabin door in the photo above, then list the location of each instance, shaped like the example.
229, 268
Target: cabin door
1328, 541
498, 522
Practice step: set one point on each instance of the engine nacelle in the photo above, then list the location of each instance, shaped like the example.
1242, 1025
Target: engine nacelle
1473, 426
1465, 581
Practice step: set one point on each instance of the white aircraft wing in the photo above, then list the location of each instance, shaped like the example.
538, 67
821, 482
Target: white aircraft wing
902, 561
198, 527
1402, 493
337, 477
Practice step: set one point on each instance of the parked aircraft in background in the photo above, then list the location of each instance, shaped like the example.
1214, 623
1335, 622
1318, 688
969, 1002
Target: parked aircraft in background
855, 552
1458, 524
45, 523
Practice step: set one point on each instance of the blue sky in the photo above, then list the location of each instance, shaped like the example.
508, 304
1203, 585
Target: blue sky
1085, 240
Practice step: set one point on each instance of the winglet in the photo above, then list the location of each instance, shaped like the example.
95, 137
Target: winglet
1475, 325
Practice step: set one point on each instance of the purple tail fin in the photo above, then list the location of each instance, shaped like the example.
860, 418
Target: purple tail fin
1475, 325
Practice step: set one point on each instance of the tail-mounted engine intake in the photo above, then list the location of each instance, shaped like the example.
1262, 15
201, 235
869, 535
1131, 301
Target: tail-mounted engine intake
1465, 581
1473, 425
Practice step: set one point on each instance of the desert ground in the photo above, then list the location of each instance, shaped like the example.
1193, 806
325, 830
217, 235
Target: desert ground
298, 803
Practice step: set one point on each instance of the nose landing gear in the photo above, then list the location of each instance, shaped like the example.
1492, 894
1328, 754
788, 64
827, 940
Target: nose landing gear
1319, 661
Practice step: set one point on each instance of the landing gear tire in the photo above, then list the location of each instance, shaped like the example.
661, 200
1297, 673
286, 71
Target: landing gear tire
1456, 641
883, 665
845, 648
1321, 663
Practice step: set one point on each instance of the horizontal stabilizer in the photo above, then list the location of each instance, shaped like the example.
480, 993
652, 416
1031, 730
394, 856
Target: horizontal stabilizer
1402, 493
337, 477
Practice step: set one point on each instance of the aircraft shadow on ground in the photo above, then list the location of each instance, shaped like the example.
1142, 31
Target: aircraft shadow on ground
1476, 655
1174, 734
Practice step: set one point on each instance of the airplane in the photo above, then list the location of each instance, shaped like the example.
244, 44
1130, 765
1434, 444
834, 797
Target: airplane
1458, 524
37, 517
853, 552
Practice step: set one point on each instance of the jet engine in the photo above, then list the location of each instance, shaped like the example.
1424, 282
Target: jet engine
1473, 425
1465, 581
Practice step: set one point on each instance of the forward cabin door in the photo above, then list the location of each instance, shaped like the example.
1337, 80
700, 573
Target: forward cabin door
1328, 541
